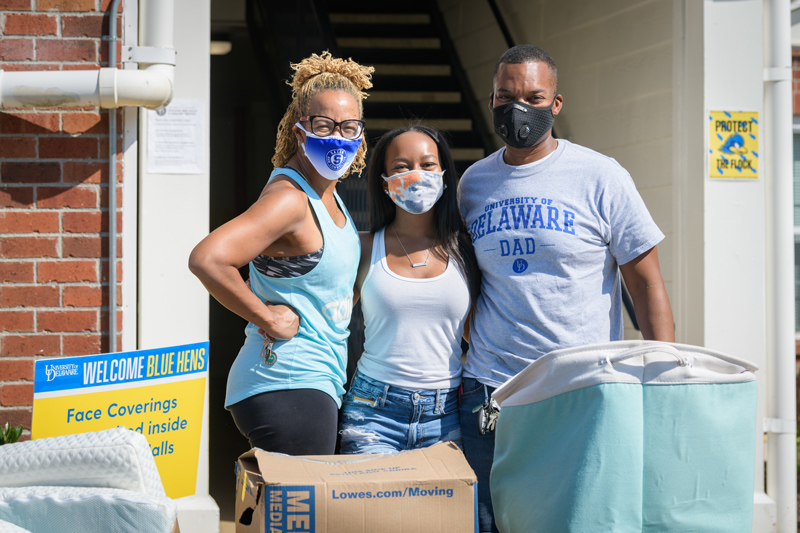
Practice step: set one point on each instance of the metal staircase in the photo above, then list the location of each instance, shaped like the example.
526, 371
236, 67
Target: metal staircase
418, 77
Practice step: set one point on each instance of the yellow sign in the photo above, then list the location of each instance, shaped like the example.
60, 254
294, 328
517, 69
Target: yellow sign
733, 144
158, 393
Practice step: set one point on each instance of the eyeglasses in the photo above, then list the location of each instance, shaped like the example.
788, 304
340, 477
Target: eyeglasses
324, 126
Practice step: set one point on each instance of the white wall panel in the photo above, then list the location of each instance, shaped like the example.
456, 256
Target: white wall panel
173, 217
734, 209
650, 161
638, 72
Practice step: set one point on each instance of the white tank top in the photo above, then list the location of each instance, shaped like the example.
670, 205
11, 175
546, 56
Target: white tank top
412, 327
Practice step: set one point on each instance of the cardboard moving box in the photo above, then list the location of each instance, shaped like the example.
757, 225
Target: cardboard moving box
430, 489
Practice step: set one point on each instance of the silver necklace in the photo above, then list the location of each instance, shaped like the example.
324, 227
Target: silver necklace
413, 264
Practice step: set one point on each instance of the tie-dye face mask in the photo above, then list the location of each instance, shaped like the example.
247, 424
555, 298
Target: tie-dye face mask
415, 191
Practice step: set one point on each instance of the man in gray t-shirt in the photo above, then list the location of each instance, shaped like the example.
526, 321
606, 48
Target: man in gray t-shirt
553, 224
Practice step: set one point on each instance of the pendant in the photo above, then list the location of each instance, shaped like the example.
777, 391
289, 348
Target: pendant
413, 264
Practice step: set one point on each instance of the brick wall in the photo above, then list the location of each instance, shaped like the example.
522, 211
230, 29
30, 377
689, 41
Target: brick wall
53, 202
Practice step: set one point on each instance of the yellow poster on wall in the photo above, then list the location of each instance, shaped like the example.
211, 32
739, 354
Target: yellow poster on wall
733, 144
159, 393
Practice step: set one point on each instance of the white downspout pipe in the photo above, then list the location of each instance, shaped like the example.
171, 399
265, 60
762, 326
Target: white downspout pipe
157, 33
112, 188
108, 88
781, 420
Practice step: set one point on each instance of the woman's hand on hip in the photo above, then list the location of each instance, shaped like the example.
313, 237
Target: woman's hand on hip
283, 322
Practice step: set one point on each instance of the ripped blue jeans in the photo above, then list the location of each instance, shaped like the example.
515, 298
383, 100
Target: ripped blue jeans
380, 418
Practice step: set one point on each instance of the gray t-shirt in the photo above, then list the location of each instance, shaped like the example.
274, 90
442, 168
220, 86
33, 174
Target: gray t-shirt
548, 237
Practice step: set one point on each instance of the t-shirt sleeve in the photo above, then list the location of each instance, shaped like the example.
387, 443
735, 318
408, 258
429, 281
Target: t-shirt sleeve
460, 198
632, 229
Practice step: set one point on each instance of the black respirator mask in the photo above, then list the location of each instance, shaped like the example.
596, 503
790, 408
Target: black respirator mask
522, 125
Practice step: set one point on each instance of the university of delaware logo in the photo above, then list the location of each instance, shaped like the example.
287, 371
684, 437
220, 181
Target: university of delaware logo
339, 310
520, 266
54, 371
336, 159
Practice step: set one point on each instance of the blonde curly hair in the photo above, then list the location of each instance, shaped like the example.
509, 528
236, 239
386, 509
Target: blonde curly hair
313, 75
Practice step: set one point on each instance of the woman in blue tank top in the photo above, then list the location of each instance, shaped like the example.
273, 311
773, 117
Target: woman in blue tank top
417, 280
284, 387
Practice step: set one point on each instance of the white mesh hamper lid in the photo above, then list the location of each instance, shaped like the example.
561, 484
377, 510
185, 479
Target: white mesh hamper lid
640, 362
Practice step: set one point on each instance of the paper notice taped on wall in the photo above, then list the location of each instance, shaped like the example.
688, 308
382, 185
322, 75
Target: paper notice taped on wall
176, 138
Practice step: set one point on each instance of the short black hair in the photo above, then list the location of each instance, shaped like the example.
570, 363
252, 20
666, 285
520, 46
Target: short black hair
527, 53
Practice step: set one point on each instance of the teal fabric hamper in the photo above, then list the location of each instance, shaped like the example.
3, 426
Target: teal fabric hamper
628, 436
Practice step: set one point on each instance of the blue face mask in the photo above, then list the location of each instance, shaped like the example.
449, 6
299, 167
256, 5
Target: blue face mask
331, 156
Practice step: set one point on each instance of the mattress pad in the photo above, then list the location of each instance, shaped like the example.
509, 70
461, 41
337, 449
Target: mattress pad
47, 509
116, 458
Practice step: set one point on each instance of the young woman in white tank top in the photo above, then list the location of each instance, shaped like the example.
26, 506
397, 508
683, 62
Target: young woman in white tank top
417, 280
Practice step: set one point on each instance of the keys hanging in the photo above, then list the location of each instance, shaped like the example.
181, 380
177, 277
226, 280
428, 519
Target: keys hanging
487, 415
267, 355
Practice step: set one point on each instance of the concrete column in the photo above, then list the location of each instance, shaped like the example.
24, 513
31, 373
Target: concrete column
731, 237
173, 217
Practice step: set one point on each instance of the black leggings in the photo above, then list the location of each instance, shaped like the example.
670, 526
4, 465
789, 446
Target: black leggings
294, 422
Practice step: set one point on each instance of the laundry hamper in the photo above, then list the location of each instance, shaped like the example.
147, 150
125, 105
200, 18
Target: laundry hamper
626, 436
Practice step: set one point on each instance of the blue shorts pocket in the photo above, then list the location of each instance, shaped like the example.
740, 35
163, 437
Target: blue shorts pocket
360, 398
364, 393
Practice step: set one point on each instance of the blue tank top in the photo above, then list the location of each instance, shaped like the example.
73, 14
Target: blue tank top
315, 358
